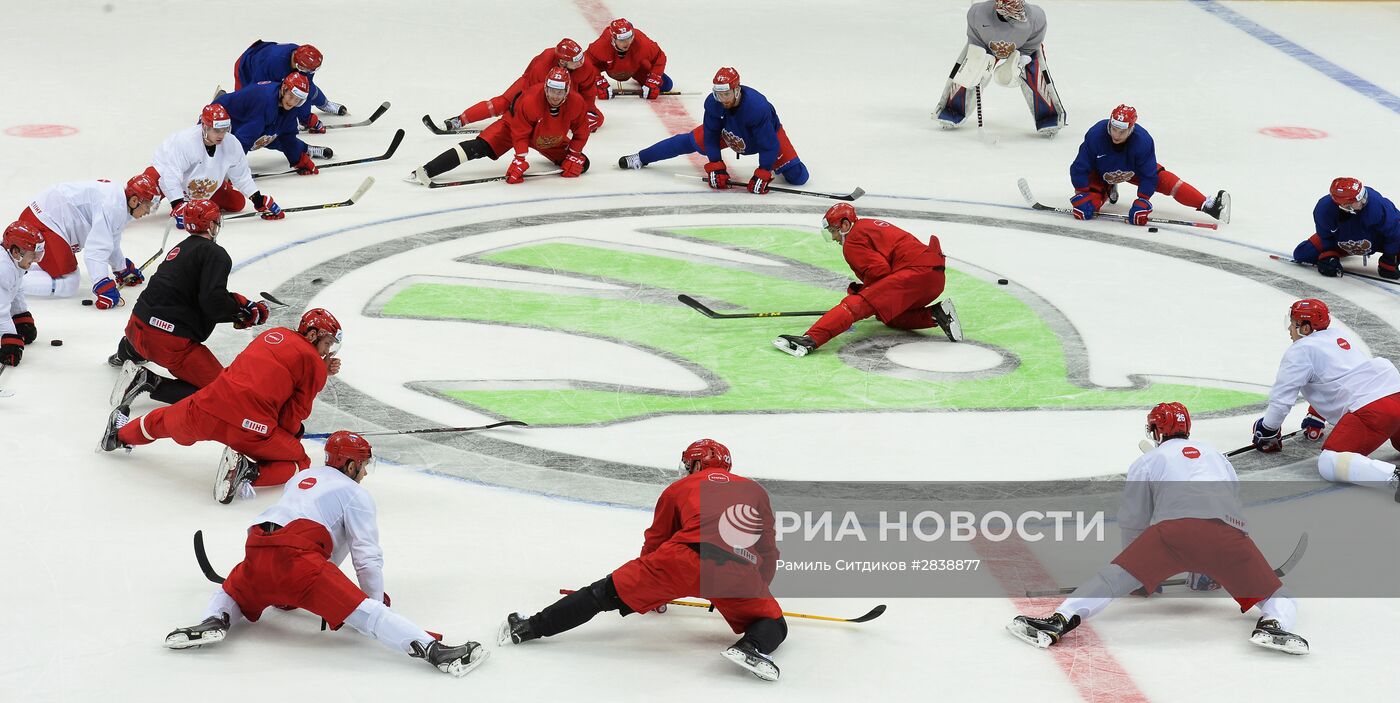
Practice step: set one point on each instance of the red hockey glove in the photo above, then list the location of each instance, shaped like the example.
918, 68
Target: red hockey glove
758, 185
518, 167
107, 295
717, 174
24, 326
305, 167
1140, 211
131, 276
251, 313
604, 88
313, 125
11, 349
1083, 204
269, 209
651, 89
595, 120
1313, 425
573, 164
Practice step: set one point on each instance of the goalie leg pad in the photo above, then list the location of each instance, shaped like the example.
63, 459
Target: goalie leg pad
975, 68
1041, 96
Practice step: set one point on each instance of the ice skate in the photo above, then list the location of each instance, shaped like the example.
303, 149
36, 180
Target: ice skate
457, 661
333, 108
211, 631
1041, 632
132, 382
1268, 634
419, 176
320, 152
1113, 194
235, 470
756, 662
796, 345
947, 317
115, 421
1395, 483
1218, 207
515, 630
452, 124
631, 161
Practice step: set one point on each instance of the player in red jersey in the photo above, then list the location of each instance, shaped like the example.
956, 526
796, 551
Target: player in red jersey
567, 54
550, 118
899, 276
255, 408
690, 550
625, 53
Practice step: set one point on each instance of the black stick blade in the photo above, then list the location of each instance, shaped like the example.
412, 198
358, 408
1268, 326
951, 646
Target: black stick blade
875, 612
203, 558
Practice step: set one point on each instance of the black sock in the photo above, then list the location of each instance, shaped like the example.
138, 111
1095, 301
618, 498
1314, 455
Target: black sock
171, 390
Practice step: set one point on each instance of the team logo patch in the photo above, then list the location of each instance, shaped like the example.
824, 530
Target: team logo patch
733, 141
1191, 452
273, 338
718, 478
548, 141
160, 324
1115, 177
1343, 343
306, 483
173, 253
1356, 247
201, 188
258, 427
620, 75
263, 141
1001, 49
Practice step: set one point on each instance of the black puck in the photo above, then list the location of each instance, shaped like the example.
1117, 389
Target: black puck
56, 343
87, 301
1002, 282
1151, 229
315, 281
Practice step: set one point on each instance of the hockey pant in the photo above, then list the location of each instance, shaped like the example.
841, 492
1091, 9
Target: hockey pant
191, 362
278, 454
900, 300
56, 275
491, 144
1344, 455
1039, 90
640, 76
1167, 182
787, 164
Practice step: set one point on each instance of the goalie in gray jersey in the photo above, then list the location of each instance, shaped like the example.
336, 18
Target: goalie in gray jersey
1006, 42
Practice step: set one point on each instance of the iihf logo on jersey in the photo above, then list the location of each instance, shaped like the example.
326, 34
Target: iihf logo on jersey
1115, 177
1356, 247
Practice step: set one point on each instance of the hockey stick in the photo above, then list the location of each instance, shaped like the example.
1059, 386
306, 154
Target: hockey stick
393, 146
1279, 571
432, 127
431, 430
4, 393
1031, 201
1345, 272
638, 91
700, 308
354, 197
1251, 447
830, 196
490, 179
875, 612
164, 239
269, 298
383, 108
203, 558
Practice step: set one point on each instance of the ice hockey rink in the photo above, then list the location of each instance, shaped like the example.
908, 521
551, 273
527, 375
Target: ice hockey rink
553, 302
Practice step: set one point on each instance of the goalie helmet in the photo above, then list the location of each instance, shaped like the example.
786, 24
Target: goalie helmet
306, 58
1312, 311
1123, 116
215, 116
25, 237
343, 447
1012, 10
298, 85
1347, 191
705, 454
1168, 420
201, 216
568, 51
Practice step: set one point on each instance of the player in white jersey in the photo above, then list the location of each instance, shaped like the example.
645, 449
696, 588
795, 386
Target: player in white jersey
1180, 511
198, 163
1006, 41
23, 246
292, 557
88, 217
1359, 395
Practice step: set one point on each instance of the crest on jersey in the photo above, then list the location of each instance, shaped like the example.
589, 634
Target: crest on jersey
1116, 177
1356, 247
620, 75
1001, 49
548, 141
263, 141
733, 141
200, 189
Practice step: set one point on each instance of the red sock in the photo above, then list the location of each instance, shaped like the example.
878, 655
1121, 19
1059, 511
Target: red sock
494, 107
839, 319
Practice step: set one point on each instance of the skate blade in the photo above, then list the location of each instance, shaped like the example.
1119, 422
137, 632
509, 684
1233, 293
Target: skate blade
954, 328
1029, 634
459, 668
128, 373
762, 669
224, 488
180, 640
796, 350
503, 637
1287, 645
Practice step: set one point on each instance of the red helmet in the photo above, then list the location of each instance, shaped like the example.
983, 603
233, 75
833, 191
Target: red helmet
1014, 10
201, 215
840, 211
1168, 420
298, 84
1312, 311
143, 187
726, 79
214, 116
306, 58
321, 320
1346, 191
343, 446
620, 29
1123, 116
23, 235
557, 78
568, 50
705, 454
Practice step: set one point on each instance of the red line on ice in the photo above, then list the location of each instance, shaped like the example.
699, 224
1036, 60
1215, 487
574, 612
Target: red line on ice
1082, 656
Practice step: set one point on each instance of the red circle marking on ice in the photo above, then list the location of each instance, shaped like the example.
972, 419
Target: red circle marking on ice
1343, 343
1191, 452
41, 131
1293, 133
306, 483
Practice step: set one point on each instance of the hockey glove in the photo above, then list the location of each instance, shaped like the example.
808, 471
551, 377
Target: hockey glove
24, 325
313, 125
758, 185
1387, 267
386, 600
305, 167
106, 294
131, 276
1197, 581
595, 120
1140, 211
573, 164
1266, 439
717, 174
854, 287
516, 172
269, 209
1313, 425
11, 349
1083, 204
1330, 266
251, 313
604, 88
177, 211
651, 89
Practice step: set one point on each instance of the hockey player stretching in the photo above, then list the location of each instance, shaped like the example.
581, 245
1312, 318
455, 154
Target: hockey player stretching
264, 115
686, 553
292, 560
1006, 41
23, 246
1352, 220
200, 163
1355, 392
269, 61
1180, 511
624, 53
899, 276
568, 55
1118, 150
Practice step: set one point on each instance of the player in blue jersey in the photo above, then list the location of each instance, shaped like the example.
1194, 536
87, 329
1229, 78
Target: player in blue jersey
1352, 220
269, 61
1118, 150
264, 115
739, 118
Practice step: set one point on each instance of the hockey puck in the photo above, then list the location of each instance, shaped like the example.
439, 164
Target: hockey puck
1003, 282
87, 301
315, 281
56, 343
1151, 229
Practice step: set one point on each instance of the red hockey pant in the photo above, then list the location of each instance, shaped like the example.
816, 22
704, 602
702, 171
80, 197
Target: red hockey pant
785, 151
189, 360
279, 454
1205, 546
1366, 429
497, 136
904, 296
674, 571
290, 567
59, 259
1167, 182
